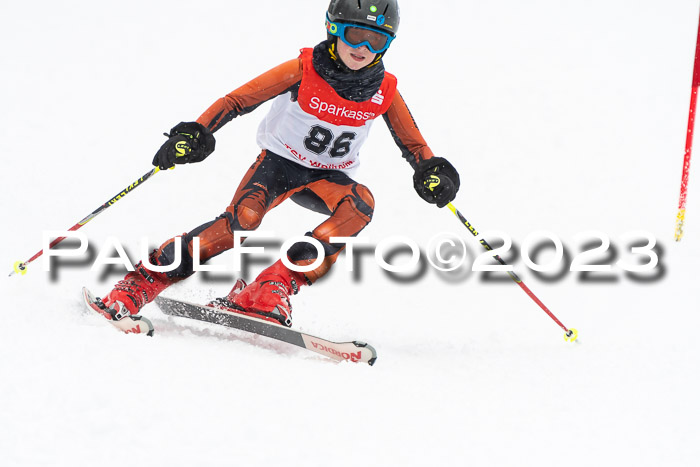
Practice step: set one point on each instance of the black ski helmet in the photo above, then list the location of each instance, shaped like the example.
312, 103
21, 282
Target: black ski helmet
382, 15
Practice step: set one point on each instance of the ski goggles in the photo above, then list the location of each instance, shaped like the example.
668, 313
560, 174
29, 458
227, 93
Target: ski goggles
356, 36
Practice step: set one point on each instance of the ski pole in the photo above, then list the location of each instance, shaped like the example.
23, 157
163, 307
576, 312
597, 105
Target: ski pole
21, 267
571, 334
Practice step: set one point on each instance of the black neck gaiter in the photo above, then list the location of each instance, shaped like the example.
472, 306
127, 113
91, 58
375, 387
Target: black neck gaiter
356, 86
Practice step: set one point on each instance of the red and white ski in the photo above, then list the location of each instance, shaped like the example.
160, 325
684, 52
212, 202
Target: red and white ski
354, 351
129, 325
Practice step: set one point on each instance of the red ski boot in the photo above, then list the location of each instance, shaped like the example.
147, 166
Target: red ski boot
226, 303
267, 297
129, 295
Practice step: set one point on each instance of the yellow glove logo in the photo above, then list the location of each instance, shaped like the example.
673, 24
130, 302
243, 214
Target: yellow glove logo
182, 148
432, 182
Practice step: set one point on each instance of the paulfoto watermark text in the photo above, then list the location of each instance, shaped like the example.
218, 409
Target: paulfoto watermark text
591, 254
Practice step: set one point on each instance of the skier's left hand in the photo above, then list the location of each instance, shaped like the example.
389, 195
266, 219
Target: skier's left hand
187, 142
436, 181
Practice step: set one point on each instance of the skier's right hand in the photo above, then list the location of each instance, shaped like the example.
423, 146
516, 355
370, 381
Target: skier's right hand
187, 142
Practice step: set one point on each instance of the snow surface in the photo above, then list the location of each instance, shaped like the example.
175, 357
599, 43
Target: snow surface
561, 116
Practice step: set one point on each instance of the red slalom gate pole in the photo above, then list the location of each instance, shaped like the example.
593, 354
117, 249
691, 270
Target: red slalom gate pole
680, 217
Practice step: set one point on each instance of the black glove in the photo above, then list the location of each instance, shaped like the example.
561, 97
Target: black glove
436, 181
187, 142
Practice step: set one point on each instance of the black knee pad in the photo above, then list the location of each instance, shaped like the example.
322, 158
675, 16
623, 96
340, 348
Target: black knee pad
305, 251
166, 256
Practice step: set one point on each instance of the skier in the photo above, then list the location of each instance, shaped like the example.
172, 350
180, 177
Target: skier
325, 102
